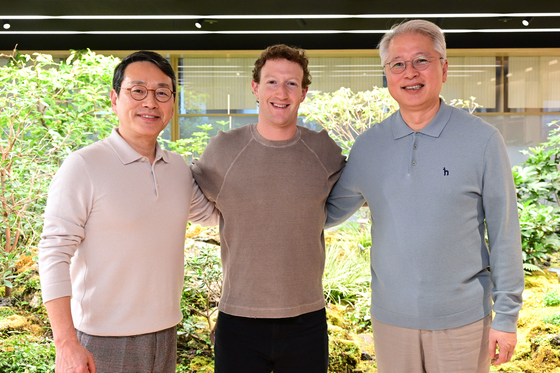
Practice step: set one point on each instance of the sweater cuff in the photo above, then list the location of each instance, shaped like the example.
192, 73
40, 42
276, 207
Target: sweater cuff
505, 323
54, 291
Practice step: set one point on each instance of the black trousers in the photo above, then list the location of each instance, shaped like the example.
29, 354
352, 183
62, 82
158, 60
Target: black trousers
291, 345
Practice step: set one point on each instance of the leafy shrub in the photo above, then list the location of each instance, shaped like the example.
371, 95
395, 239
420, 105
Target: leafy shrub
345, 114
552, 298
199, 303
538, 194
47, 109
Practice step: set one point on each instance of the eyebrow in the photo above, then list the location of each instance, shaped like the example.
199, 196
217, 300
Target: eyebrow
143, 82
417, 54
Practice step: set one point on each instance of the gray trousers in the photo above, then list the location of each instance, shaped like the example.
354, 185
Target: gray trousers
145, 353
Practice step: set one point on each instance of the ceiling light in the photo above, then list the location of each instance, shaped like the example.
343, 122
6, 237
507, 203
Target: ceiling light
199, 23
526, 21
6, 25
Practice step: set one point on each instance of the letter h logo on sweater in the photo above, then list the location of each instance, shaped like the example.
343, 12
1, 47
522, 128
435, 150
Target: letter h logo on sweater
445, 172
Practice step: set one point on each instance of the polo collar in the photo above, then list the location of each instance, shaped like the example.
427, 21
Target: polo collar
433, 129
126, 153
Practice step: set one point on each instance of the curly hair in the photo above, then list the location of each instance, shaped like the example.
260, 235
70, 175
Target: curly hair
279, 52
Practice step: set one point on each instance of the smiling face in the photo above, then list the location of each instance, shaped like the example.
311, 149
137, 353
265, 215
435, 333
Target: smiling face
145, 119
279, 92
415, 91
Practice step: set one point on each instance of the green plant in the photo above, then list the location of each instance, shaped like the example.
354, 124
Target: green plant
538, 178
347, 272
538, 232
552, 319
199, 302
542, 340
538, 186
47, 109
345, 114
552, 298
192, 147
23, 354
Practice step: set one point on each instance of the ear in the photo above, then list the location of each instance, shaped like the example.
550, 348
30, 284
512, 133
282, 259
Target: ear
445, 67
255, 86
304, 94
114, 99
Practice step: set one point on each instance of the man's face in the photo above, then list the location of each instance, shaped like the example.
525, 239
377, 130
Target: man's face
143, 119
415, 91
279, 92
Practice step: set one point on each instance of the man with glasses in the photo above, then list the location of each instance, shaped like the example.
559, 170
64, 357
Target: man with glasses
436, 179
111, 254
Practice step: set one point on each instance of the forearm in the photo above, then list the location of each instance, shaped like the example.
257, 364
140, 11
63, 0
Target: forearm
60, 318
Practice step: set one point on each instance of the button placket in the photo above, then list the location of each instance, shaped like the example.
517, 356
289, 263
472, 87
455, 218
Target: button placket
414, 147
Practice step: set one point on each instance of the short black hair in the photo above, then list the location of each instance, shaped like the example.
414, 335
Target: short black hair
141, 56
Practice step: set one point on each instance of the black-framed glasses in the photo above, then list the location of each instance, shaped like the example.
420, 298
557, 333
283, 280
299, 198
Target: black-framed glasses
419, 63
139, 92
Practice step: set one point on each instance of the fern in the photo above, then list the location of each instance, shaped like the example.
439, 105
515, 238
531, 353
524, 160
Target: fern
528, 268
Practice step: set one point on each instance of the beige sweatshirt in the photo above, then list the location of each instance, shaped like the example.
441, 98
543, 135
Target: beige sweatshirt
114, 237
272, 198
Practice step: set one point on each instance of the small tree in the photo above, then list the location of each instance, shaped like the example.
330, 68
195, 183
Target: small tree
345, 114
47, 109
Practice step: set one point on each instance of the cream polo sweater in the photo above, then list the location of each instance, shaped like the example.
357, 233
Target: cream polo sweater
114, 237
272, 198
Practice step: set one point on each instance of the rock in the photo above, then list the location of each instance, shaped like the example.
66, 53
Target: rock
35, 301
365, 356
366, 338
555, 341
5, 302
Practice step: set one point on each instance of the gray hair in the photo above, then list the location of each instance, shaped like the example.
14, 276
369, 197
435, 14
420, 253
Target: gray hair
416, 26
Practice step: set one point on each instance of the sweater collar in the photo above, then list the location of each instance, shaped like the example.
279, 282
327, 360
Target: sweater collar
126, 153
433, 129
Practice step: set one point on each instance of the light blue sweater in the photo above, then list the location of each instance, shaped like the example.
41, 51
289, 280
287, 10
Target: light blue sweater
430, 193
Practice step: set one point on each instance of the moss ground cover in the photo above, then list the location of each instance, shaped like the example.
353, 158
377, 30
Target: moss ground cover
26, 339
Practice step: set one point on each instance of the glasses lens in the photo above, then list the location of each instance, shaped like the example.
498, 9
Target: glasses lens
397, 66
138, 92
163, 94
420, 63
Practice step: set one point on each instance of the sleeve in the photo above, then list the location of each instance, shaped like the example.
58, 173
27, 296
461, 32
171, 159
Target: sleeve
345, 198
332, 158
202, 211
504, 236
68, 206
208, 170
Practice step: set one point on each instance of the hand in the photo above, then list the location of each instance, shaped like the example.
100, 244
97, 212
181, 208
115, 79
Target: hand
72, 357
505, 342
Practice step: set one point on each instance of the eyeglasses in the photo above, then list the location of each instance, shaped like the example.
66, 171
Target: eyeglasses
419, 63
139, 92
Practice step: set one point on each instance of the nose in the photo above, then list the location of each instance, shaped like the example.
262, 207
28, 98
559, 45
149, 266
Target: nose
282, 91
410, 71
150, 101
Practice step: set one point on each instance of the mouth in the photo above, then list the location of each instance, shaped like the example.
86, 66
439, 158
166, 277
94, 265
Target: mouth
412, 87
280, 106
148, 116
